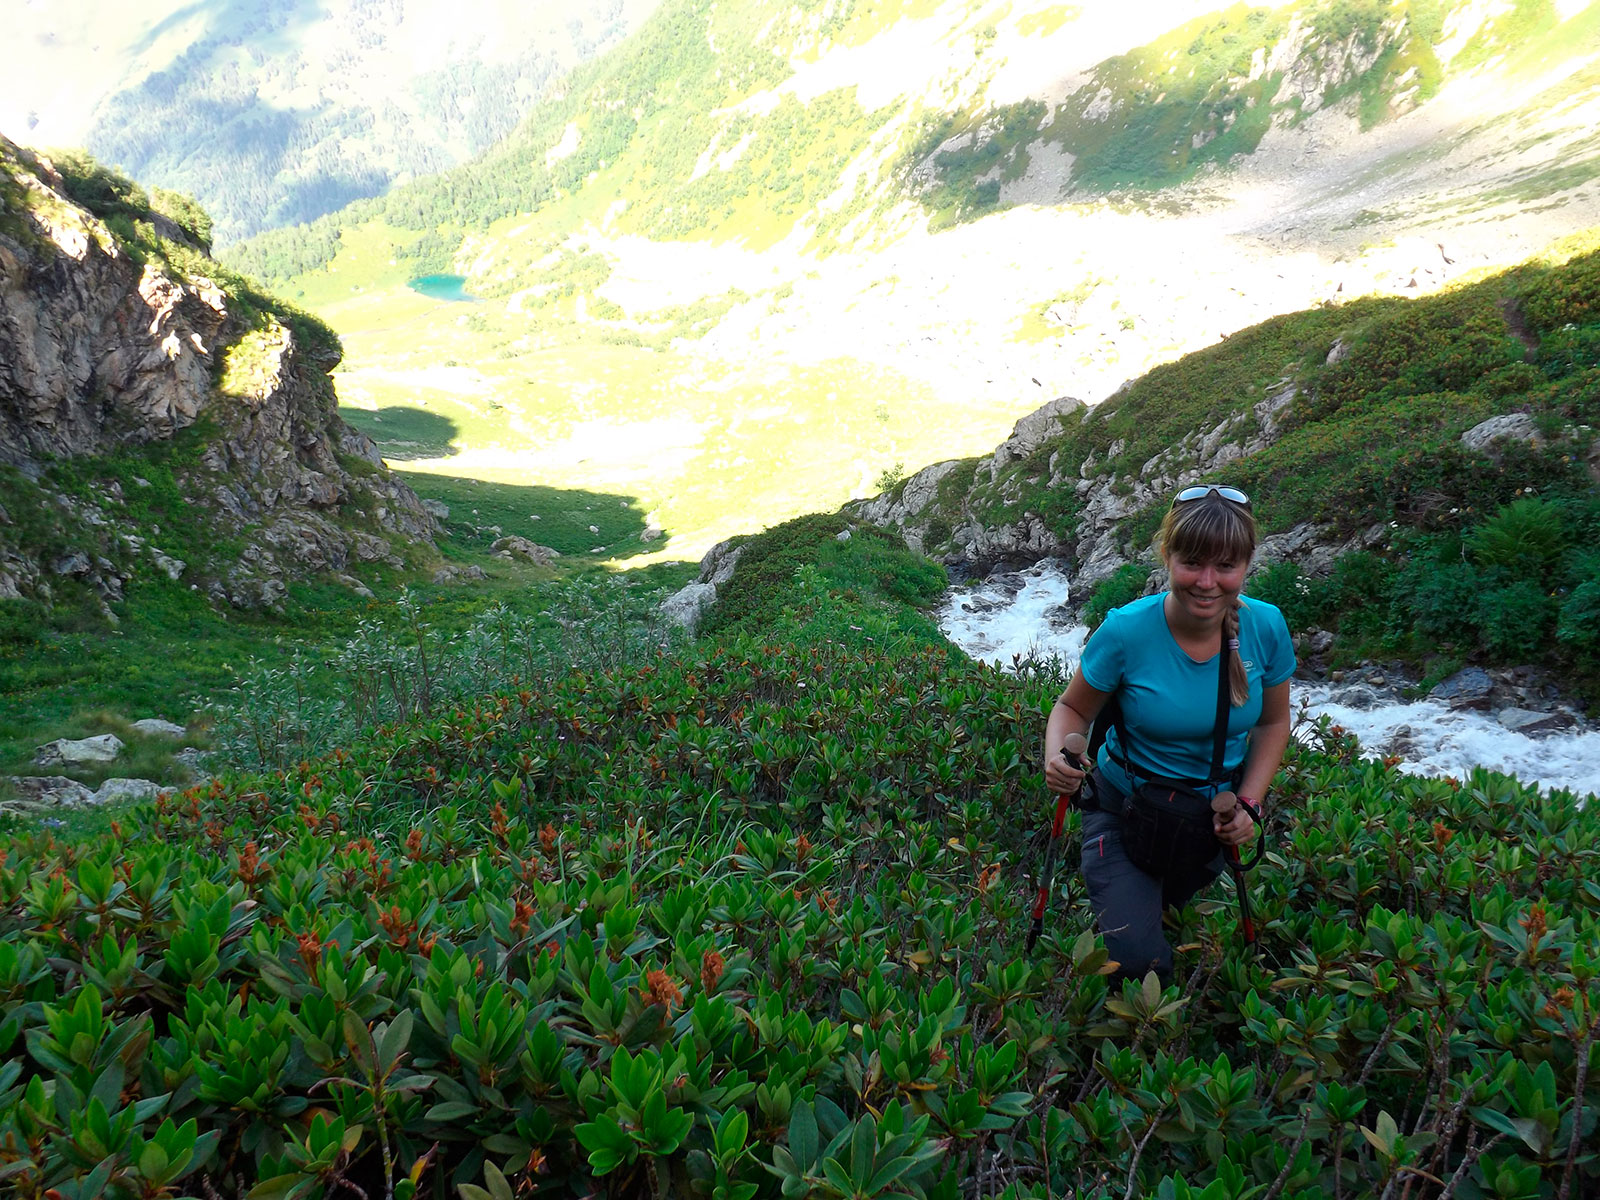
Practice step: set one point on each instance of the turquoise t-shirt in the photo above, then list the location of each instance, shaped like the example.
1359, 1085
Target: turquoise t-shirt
1169, 701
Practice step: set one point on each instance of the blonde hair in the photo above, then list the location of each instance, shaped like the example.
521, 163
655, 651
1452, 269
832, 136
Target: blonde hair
1212, 529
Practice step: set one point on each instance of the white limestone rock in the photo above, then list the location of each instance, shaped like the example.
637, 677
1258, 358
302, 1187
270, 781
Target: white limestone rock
64, 752
687, 606
521, 547
121, 790
156, 727
48, 791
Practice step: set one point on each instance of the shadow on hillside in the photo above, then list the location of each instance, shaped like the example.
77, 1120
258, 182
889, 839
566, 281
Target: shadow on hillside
405, 434
962, 180
578, 523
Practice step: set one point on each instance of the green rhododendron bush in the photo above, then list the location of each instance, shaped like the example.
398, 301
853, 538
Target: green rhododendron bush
748, 920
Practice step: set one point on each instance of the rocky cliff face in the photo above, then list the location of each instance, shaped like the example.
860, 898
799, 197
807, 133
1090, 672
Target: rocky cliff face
111, 355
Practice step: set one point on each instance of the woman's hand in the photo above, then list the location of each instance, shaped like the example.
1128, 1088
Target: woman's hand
1062, 775
1235, 829
1070, 720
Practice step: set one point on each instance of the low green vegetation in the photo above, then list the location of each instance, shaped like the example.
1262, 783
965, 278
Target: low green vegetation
853, 559
560, 518
991, 149
1521, 586
1207, 92
1046, 21
573, 405
746, 919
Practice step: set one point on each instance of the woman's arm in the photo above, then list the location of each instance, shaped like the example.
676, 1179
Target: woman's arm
1268, 740
1074, 712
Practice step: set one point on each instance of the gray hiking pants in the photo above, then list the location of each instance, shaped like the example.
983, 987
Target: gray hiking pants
1128, 902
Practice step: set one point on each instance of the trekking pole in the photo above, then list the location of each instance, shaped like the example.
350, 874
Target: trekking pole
1073, 747
1224, 804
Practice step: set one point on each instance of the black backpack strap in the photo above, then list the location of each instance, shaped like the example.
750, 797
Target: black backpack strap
1219, 735
1111, 718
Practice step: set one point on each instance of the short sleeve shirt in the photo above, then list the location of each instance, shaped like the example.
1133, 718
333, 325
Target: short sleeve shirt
1169, 701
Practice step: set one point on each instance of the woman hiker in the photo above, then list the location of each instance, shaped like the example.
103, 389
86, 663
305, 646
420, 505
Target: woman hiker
1177, 665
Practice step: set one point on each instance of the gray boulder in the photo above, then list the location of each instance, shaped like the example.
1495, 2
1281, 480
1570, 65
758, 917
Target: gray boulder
688, 606
156, 727
1529, 723
127, 789
1360, 696
1033, 430
717, 567
1470, 688
65, 752
49, 791
458, 573
523, 548
74, 562
1506, 427
194, 760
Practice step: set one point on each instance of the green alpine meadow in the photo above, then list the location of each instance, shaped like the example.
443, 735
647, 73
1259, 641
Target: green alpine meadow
484, 491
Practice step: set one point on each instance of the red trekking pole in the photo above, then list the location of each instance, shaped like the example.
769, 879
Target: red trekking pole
1073, 747
1224, 804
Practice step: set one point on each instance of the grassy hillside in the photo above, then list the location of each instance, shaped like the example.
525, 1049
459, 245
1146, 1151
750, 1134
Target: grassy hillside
747, 920
1482, 554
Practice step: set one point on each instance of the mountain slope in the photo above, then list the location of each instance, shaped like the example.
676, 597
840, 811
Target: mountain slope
865, 222
162, 422
817, 122
274, 114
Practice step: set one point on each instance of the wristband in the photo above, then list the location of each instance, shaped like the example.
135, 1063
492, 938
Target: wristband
1251, 807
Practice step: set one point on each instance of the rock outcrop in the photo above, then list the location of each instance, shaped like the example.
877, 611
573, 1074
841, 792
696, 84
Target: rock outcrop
689, 604
520, 547
915, 508
107, 350
965, 534
66, 752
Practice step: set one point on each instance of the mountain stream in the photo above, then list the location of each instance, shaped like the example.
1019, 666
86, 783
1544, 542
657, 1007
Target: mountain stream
1025, 614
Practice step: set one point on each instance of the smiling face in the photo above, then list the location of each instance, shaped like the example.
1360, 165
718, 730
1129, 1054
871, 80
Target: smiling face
1207, 545
1205, 588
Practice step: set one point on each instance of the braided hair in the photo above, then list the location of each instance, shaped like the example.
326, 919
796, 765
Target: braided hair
1212, 529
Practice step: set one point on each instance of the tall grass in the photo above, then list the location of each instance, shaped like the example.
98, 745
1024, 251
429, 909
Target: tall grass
403, 666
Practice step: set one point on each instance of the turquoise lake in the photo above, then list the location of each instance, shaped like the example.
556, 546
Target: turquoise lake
441, 287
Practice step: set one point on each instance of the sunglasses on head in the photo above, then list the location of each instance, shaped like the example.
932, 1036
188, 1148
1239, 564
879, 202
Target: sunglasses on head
1202, 490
